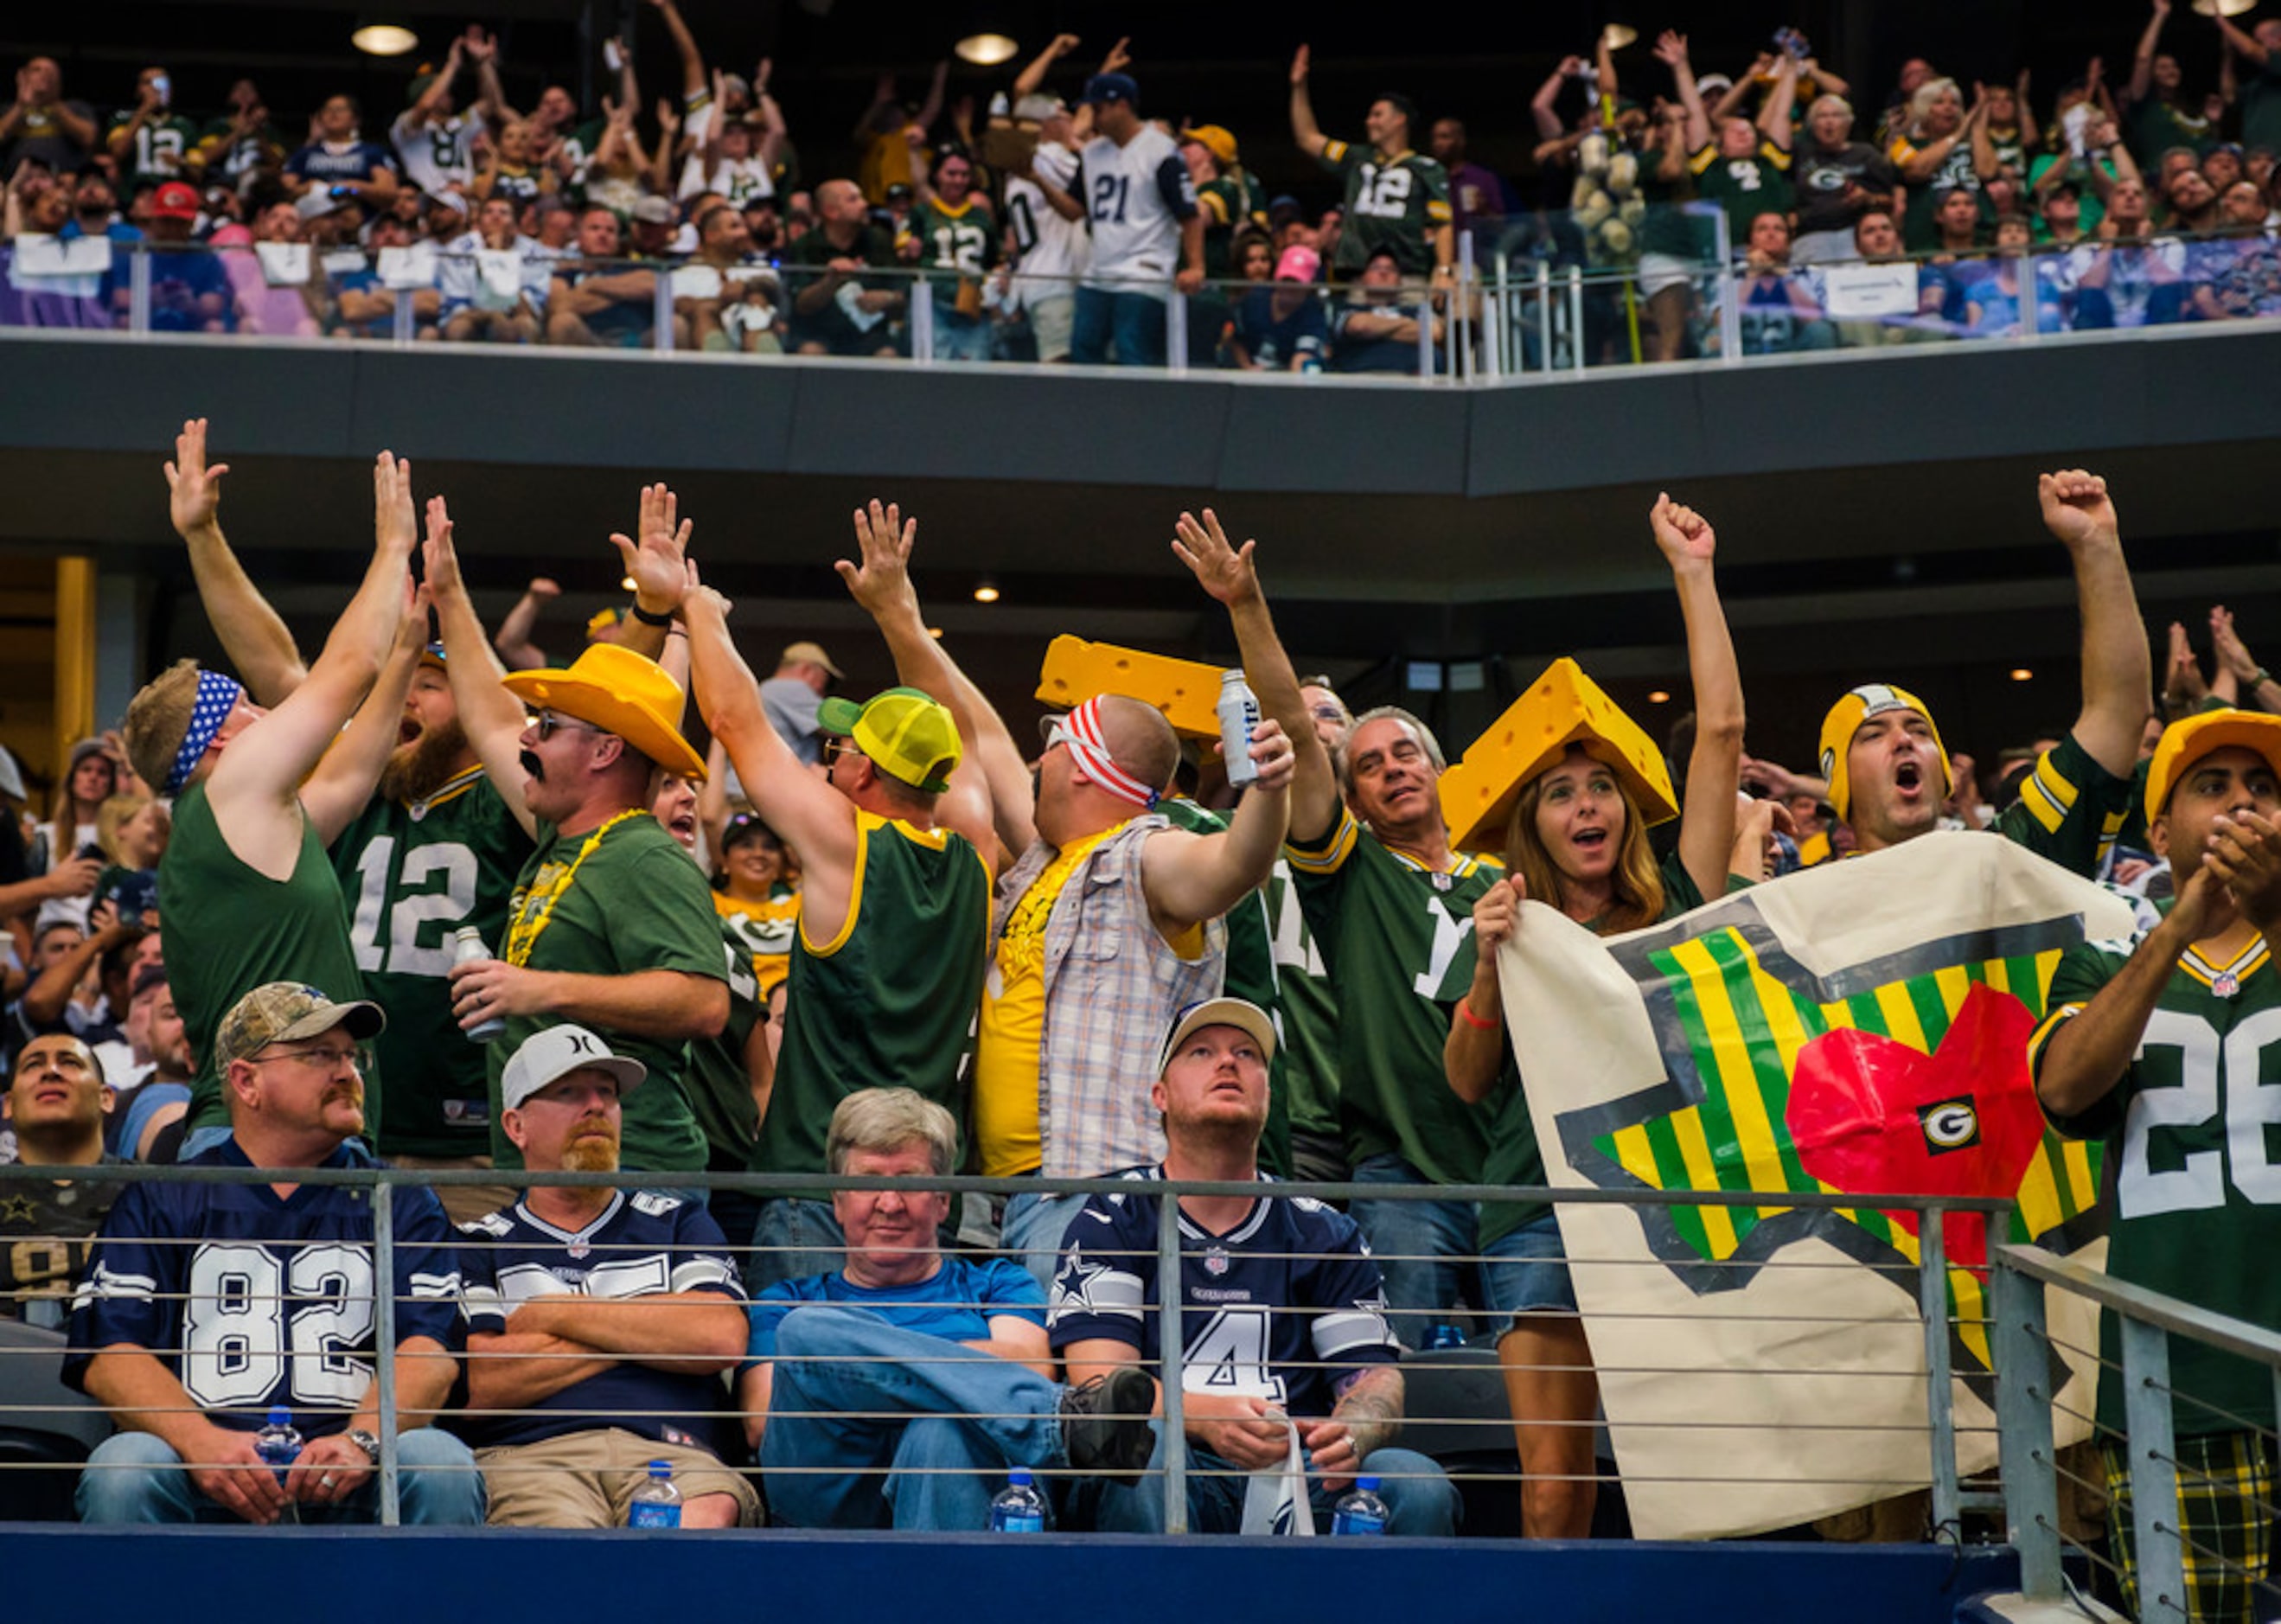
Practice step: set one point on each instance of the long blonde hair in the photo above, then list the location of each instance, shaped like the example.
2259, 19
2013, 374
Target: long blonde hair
1637, 882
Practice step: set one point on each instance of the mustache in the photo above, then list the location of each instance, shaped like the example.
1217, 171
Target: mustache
530, 764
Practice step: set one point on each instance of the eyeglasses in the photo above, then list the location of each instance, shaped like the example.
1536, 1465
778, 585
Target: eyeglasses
549, 724
836, 745
1326, 712
326, 1060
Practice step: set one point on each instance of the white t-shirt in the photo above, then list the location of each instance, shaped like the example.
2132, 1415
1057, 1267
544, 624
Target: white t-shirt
738, 180
459, 274
1048, 250
437, 153
1135, 196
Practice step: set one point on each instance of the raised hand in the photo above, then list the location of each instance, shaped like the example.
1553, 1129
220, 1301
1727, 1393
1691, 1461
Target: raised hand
542, 588
1119, 57
1225, 572
1271, 754
2076, 507
1299, 66
2182, 686
1684, 535
2244, 854
481, 46
1496, 915
658, 563
193, 487
880, 579
439, 559
2231, 651
1671, 49
1062, 45
394, 524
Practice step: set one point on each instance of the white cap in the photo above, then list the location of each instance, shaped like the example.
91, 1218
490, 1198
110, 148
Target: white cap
1246, 1017
556, 1052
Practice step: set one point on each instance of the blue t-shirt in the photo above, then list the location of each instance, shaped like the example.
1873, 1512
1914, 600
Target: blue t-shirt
957, 1304
1273, 343
643, 1245
179, 281
251, 1299
318, 162
1271, 1310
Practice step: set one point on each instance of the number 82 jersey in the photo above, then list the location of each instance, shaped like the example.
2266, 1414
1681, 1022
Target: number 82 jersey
2192, 1162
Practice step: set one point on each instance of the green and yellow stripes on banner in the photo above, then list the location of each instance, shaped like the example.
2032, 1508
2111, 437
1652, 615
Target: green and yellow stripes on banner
1743, 1027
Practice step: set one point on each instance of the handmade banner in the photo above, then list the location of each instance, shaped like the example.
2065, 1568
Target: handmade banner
1859, 1028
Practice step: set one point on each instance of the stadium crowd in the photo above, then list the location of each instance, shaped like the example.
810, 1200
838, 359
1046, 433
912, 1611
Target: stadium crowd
1056, 224
884, 938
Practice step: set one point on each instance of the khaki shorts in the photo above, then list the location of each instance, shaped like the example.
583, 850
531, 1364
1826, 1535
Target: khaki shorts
586, 1479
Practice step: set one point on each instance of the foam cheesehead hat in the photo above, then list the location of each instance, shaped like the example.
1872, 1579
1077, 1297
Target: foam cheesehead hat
286, 1012
619, 692
1563, 706
1856, 707
909, 735
2184, 743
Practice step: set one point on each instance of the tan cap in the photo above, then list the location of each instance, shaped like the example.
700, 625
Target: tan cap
284, 1012
1247, 1017
810, 653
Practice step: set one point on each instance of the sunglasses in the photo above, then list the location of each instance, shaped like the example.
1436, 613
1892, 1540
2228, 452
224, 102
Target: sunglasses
549, 724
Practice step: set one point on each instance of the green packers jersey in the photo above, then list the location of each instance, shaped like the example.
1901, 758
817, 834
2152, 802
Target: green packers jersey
963, 239
413, 874
614, 901
1251, 976
1309, 1010
1744, 186
1394, 202
1226, 204
2193, 1161
2070, 810
1398, 941
890, 1001
1516, 1157
233, 929
720, 1084
161, 149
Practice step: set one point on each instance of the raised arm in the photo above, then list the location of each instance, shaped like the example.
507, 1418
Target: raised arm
254, 785
685, 46
252, 635
1774, 118
1304, 130
1545, 105
492, 718
1671, 51
880, 581
513, 639
2116, 669
2242, 43
1032, 78
1706, 829
1985, 164
344, 781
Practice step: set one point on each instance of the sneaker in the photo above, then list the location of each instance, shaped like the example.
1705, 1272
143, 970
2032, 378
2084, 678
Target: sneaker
1105, 1423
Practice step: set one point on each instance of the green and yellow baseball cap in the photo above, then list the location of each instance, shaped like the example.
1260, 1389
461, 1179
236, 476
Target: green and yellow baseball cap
908, 735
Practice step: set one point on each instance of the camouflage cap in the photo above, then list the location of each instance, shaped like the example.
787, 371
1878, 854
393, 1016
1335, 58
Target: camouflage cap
284, 1011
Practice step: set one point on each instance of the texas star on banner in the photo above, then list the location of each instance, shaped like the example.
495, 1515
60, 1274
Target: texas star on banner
1859, 1028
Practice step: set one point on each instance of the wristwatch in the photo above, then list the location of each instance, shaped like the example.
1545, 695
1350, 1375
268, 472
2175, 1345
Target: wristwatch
366, 1441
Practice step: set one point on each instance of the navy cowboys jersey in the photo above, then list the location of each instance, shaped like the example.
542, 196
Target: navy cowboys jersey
1265, 1308
643, 1245
251, 1299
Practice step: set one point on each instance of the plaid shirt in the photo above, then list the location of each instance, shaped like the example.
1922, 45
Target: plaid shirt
1113, 985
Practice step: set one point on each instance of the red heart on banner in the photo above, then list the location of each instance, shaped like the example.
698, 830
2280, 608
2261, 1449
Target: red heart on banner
1871, 1115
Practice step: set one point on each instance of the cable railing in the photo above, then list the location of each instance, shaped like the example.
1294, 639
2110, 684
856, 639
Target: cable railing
1455, 1418
1538, 298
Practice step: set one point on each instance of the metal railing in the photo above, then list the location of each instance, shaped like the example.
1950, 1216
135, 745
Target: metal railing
1950, 1499
1530, 300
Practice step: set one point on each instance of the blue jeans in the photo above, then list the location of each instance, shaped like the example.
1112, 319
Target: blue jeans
958, 1420
794, 1239
959, 338
1419, 1498
1033, 1230
1424, 1247
134, 1477
1133, 321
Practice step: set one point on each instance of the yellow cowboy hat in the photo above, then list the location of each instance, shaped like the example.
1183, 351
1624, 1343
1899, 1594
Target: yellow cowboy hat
619, 692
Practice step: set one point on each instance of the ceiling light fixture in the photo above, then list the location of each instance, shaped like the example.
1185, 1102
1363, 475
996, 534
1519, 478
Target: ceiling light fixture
986, 49
1659, 696
986, 593
2020, 674
384, 39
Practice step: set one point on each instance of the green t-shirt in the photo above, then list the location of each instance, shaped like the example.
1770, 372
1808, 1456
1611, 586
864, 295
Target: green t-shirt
1252, 977
1744, 186
231, 929
2153, 126
2087, 198
1398, 941
2260, 107
1518, 1158
413, 874
2191, 1149
161, 151
891, 1000
720, 1086
1395, 203
634, 901
1226, 205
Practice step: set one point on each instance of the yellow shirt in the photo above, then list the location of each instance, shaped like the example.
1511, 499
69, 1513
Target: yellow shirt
766, 929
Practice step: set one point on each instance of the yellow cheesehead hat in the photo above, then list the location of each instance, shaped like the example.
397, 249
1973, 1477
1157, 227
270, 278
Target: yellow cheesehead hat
1561, 708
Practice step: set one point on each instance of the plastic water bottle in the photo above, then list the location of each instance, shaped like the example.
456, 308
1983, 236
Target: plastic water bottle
1360, 1511
656, 1504
279, 1442
1238, 713
1444, 1335
468, 948
1019, 1508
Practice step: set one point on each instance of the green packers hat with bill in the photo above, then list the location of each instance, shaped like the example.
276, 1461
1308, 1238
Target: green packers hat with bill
909, 735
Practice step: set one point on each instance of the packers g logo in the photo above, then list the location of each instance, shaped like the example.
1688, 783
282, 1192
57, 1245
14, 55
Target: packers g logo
1948, 1124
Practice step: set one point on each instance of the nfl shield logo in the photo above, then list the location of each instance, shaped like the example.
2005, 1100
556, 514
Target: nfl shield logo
1216, 1262
579, 1249
2226, 985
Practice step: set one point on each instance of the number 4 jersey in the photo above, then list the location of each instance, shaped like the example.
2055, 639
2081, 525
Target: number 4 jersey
252, 1300
2193, 1157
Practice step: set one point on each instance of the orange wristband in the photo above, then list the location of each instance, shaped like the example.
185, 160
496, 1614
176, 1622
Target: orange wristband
1466, 1011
